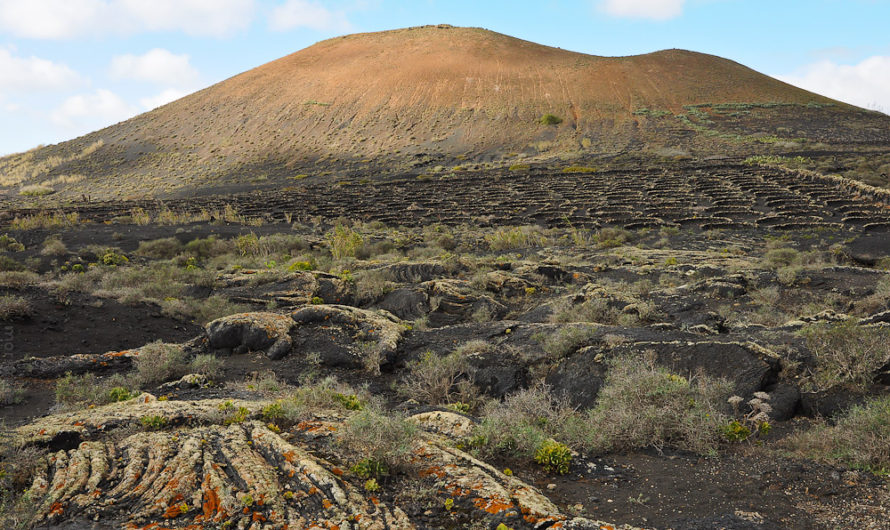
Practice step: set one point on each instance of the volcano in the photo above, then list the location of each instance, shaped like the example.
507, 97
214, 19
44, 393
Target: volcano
410, 99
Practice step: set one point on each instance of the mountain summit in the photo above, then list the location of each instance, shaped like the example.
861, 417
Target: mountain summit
436, 95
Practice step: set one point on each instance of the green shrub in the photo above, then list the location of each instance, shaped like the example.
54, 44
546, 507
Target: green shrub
344, 242
236, 415
579, 169
273, 411
18, 279
119, 393
205, 364
735, 431
565, 340
301, 266
325, 395
158, 363
8, 264
11, 392
53, 246
550, 119
782, 257
436, 379
9, 244
367, 468
522, 423
373, 435
201, 310
113, 259
78, 390
248, 244
612, 237
642, 405
846, 353
165, 248
13, 307
349, 401
36, 190
516, 237
153, 422
858, 439
204, 248
554, 456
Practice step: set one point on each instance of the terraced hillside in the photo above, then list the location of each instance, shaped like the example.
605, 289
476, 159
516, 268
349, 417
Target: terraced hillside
430, 98
702, 195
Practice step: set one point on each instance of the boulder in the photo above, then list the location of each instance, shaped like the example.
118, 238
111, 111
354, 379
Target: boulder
580, 377
345, 335
407, 304
243, 332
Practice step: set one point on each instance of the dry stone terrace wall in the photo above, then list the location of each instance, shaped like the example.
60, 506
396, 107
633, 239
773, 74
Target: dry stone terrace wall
709, 197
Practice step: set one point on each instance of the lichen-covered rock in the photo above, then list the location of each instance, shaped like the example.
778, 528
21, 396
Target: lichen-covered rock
443, 422
345, 335
200, 475
194, 472
186, 381
243, 332
506, 284
56, 366
455, 301
407, 304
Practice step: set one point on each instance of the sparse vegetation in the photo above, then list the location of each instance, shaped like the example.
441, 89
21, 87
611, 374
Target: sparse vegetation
846, 353
517, 237
344, 242
644, 405
14, 307
857, 439
550, 119
11, 392
385, 439
435, 379
36, 190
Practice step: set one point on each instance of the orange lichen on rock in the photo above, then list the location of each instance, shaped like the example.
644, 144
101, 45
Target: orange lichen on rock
493, 505
436, 471
172, 511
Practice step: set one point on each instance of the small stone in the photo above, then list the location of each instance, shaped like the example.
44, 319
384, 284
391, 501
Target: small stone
551, 486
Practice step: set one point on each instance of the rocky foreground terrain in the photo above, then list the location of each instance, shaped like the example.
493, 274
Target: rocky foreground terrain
698, 345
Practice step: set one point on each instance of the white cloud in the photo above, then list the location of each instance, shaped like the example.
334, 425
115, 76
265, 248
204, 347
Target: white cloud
307, 14
653, 9
196, 17
33, 73
156, 66
866, 84
62, 19
153, 102
87, 112
49, 19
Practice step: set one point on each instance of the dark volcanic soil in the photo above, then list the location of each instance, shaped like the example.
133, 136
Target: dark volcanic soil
86, 324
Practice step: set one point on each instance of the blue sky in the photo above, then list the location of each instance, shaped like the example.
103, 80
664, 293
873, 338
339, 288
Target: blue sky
68, 67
